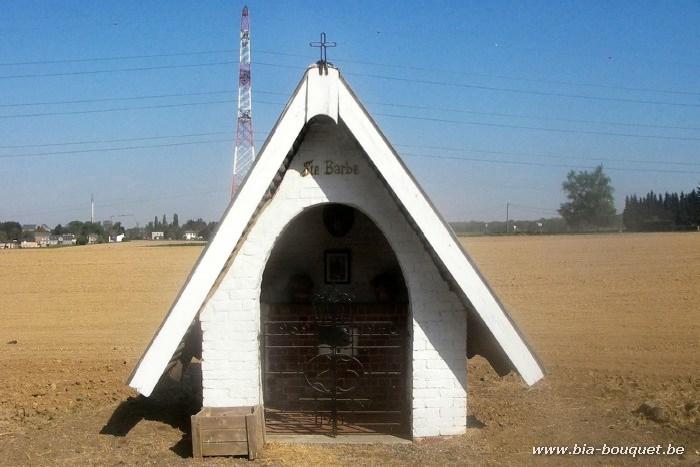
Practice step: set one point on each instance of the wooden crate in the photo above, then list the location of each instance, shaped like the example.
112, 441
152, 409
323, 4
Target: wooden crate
228, 431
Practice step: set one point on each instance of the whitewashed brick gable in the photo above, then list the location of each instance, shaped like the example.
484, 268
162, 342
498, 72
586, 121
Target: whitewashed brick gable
230, 320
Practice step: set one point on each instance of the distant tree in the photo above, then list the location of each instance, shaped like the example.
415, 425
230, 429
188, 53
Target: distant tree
590, 196
135, 233
174, 232
58, 230
208, 232
12, 230
117, 228
194, 225
155, 222
74, 227
83, 229
165, 222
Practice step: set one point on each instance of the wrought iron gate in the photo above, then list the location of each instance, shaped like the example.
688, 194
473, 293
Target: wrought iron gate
336, 367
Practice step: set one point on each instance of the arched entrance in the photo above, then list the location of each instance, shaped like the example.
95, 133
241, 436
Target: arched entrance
335, 328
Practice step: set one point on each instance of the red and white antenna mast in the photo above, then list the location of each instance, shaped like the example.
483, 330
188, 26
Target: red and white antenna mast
245, 150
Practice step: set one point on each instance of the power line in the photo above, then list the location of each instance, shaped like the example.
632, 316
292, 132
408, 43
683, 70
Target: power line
534, 117
430, 147
119, 57
542, 164
133, 98
387, 104
431, 156
440, 148
521, 91
365, 75
115, 70
123, 98
117, 140
410, 117
117, 109
133, 69
550, 156
121, 109
121, 140
121, 148
358, 62
527, 80
522, 127
118, 202
492, 76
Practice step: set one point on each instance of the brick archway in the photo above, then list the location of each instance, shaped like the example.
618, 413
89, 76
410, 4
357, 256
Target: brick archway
371, 363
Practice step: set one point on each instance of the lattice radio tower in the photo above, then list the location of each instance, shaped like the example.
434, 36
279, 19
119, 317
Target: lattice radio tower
244, 153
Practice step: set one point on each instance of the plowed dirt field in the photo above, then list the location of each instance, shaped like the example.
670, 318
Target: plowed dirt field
615, 319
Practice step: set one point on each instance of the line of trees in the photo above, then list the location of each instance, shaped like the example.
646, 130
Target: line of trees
81, 230
11, 231
173, 230
670, 211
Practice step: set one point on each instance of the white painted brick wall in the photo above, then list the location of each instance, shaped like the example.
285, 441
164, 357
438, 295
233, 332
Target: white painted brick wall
230, 320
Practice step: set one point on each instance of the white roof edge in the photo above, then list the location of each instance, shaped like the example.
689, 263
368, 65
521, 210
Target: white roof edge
326, 94
212, 260
438, 235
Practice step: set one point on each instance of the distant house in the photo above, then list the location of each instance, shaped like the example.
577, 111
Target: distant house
92, 238
28, 227
116, 238
27, 244
157, 235
42, 238
53, 240
67, 239
190, 235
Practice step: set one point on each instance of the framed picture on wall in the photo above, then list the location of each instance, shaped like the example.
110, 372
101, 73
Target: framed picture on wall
337, 266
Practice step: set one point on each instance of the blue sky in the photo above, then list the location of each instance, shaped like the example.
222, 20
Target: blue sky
494, 101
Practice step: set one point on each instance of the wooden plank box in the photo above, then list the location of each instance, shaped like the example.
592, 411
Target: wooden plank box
228, 431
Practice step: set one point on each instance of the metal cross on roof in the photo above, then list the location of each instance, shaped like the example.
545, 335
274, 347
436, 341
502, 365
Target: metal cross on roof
322, 44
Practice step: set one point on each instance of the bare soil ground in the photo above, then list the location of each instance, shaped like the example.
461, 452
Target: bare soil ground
614, 318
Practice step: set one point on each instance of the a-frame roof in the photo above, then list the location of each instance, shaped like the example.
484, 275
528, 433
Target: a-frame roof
323, 92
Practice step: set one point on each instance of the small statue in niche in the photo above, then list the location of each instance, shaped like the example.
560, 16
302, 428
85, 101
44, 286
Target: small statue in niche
300, 288
388, 287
